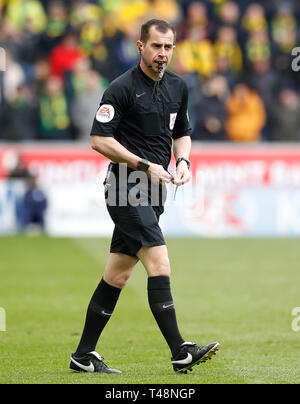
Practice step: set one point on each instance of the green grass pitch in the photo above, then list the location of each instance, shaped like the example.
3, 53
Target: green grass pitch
240, 292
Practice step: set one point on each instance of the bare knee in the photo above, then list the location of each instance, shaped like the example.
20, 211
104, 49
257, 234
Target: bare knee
119, 269
155, 260
160, 267
118, 280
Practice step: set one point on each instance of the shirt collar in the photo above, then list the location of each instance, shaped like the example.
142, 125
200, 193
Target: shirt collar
147, 78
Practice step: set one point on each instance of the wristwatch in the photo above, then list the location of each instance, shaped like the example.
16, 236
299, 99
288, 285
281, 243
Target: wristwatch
183, 159
143, 165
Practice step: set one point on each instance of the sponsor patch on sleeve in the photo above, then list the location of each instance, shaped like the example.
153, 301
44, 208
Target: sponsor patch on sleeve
105, 113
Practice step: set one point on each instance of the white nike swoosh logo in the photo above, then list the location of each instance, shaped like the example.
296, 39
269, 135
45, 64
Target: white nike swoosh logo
185, 361
105, 314
170, 305
139, 95
89, 368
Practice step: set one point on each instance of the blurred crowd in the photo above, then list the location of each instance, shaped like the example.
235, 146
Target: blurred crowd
235, 56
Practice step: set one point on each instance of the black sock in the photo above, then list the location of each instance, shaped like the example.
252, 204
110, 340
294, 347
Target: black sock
99, 312
163, 310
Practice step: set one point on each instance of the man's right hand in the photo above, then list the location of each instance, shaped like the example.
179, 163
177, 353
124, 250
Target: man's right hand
158, 175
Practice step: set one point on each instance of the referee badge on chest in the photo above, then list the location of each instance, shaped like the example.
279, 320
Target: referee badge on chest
172, 120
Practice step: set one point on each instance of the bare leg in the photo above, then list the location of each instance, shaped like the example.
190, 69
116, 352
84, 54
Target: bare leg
155, 260
118, 269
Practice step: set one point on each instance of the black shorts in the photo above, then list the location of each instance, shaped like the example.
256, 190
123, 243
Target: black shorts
135, 226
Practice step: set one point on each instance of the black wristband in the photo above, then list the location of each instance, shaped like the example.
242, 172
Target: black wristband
143, 165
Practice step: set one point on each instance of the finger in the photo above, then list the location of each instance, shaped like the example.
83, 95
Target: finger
166, 180
168, 177
178, 178
177, 181
172, 177
186, 178
182, 178
155, 179
163, 179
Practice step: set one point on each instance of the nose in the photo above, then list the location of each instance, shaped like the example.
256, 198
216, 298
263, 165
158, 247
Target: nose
162, 52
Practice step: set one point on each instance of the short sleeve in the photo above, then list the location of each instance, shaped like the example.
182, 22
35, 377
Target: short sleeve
110, 112
182, 125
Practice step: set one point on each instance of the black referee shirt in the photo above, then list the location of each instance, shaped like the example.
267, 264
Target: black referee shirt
143, 122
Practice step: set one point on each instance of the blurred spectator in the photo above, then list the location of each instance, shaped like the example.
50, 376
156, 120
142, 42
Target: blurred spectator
197, 53
41, 70
112, 6
254, 19
224, 69
284, 35
227, 46
21, 12
126, 54
104, 56
28, 49
85, 104
246, 115
57, 25
166, 10
284, 28
17, 176
88, 18
130, 12
54, 112
265, 81
286, 116
14, 76
194, 85
76, 80
34, 207
82, 12
211, 111
258, 47
243, 41
229, 15
57, 19
21, 116
90, 36
65, 55
196, 19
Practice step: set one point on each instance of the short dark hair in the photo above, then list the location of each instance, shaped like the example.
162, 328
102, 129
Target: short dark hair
161, 26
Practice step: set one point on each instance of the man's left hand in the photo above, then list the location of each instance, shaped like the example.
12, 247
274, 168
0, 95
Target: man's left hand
183, 174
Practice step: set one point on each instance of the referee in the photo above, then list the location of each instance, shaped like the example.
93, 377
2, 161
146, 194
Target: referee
142, 117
